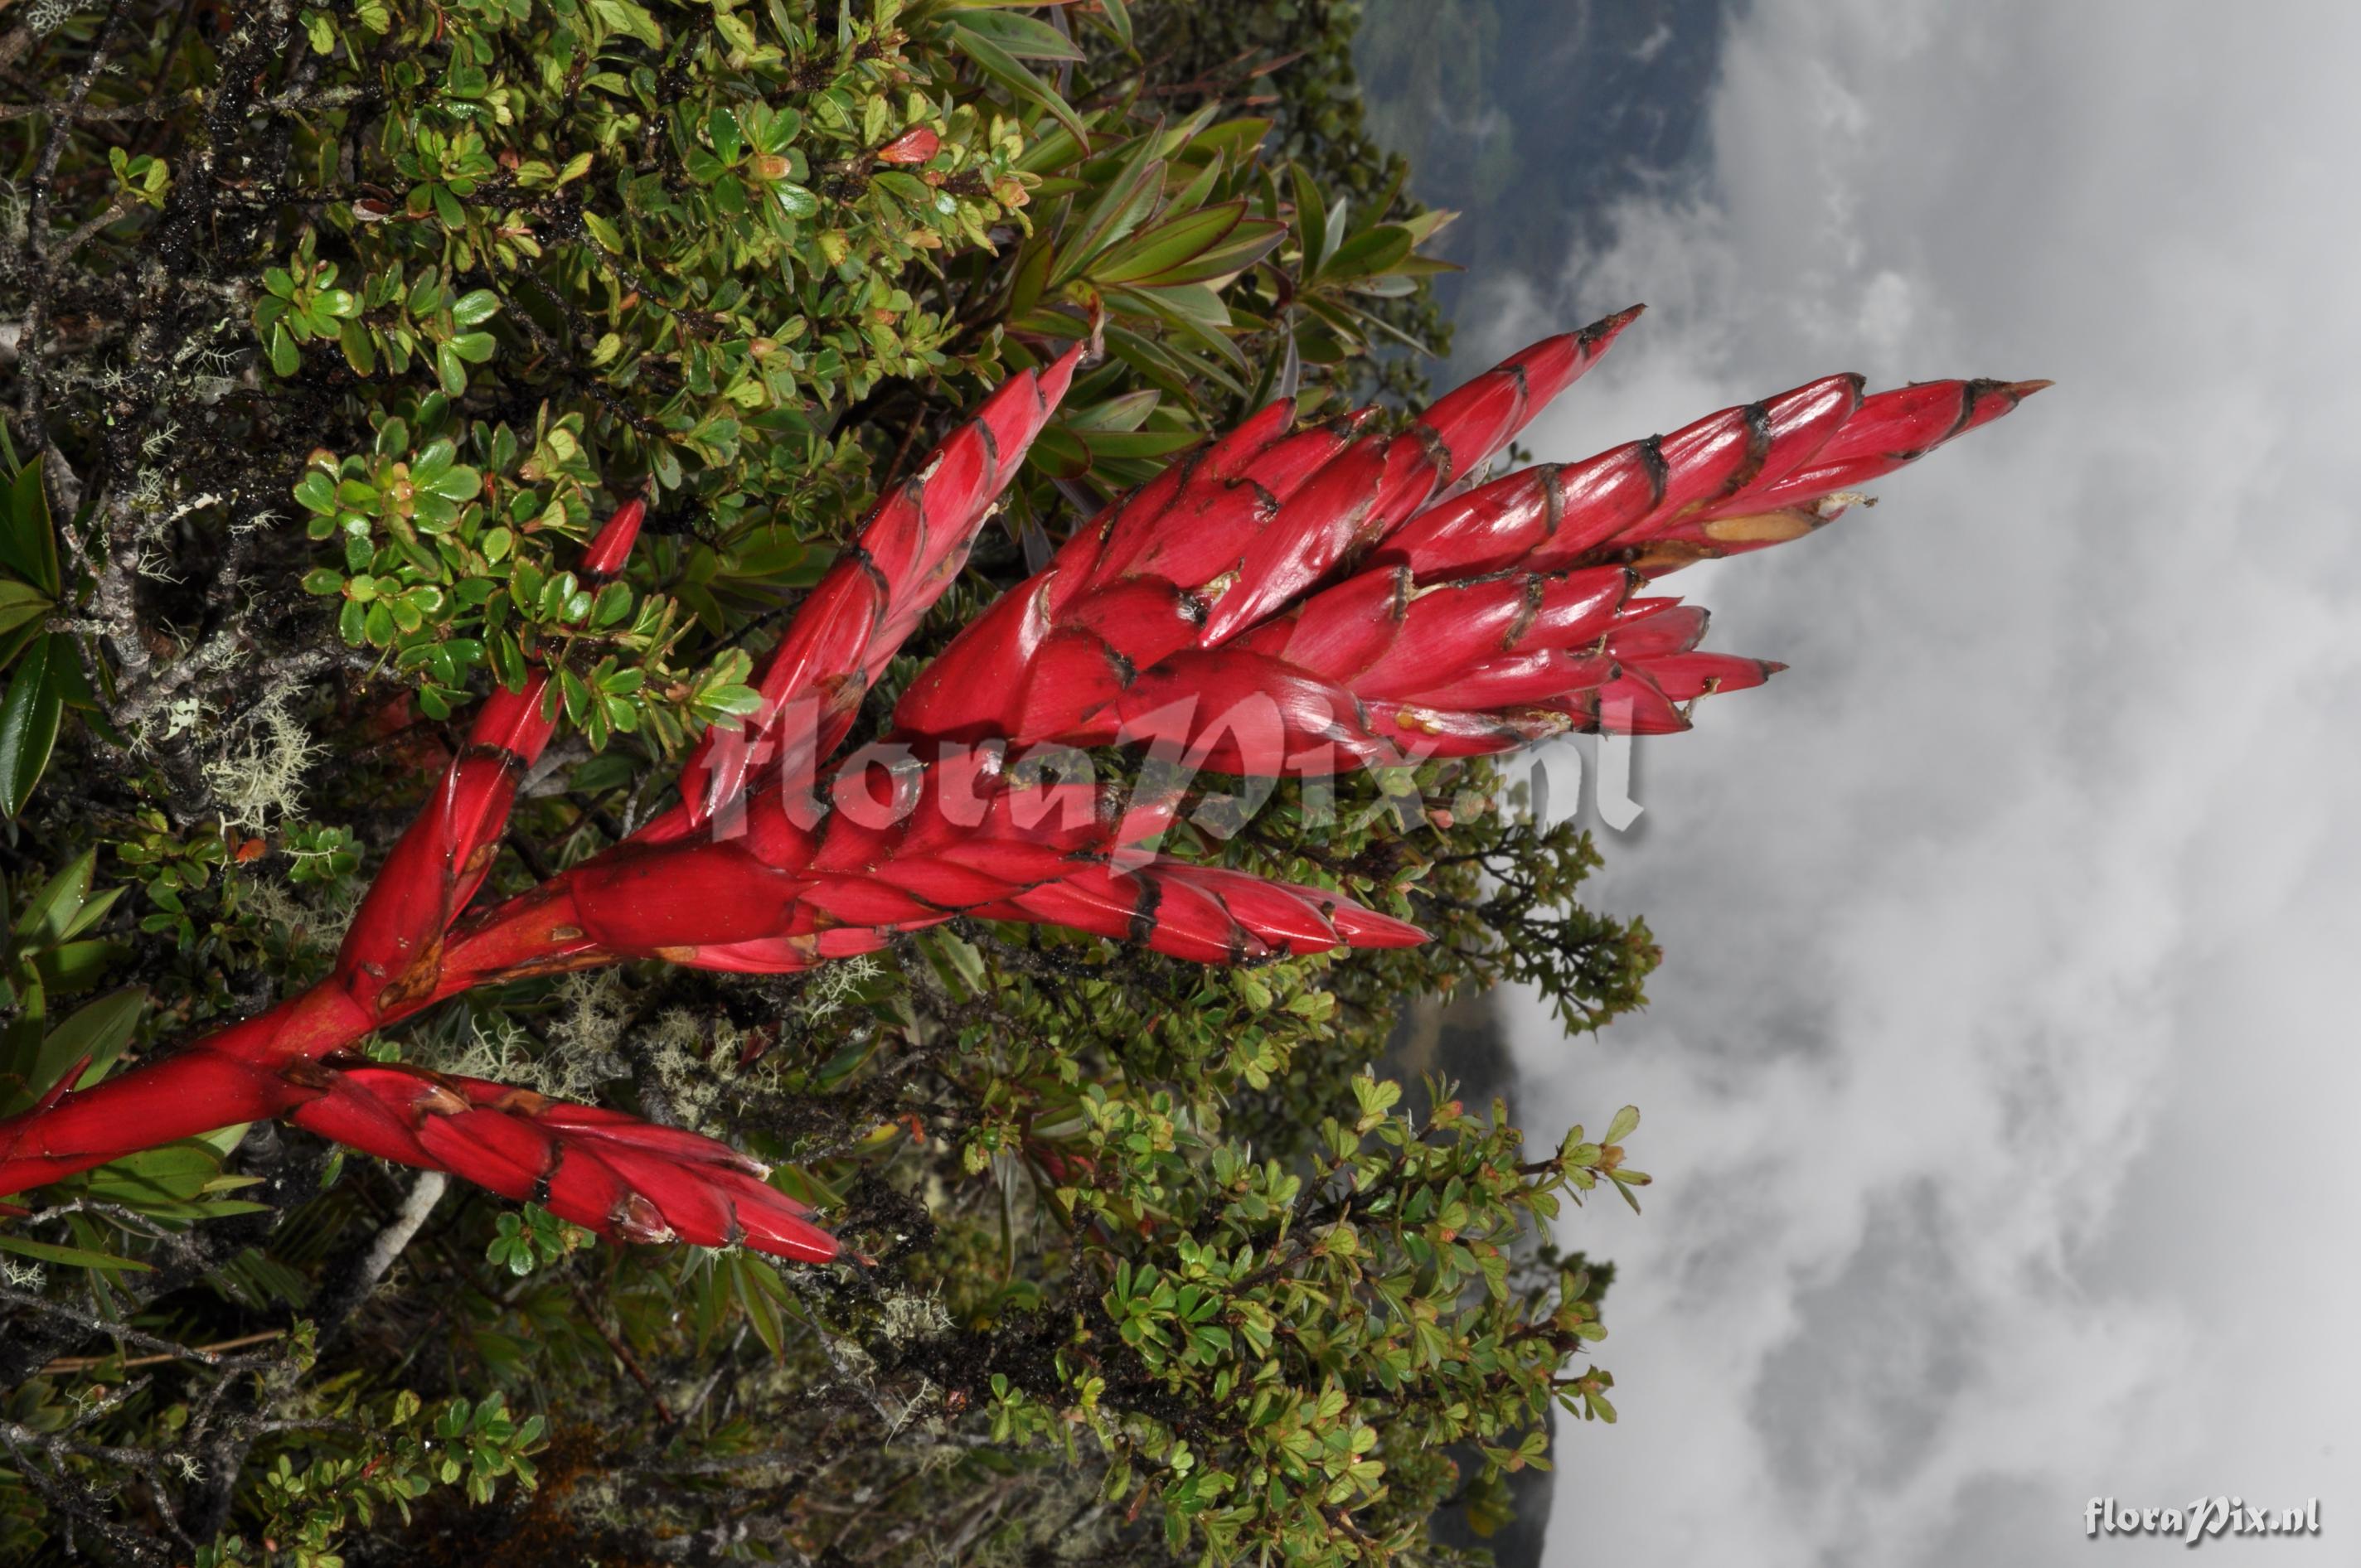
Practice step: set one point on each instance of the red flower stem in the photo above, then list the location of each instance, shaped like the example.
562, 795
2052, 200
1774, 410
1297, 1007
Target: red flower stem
235, 1075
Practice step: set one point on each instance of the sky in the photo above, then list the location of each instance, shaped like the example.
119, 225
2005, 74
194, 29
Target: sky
1998, 1085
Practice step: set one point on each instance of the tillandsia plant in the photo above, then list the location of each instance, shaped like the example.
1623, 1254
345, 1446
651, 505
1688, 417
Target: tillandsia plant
1279, 601
454, 715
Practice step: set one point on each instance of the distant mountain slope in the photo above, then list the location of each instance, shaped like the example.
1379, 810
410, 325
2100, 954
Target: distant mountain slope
1532, 118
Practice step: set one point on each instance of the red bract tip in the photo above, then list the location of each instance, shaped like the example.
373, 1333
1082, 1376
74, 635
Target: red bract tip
612, 547
1053, 381
916, 145
1475, 420
1363, 927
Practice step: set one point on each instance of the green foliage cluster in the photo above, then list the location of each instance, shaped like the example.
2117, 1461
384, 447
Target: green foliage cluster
1318, 1338
336, 330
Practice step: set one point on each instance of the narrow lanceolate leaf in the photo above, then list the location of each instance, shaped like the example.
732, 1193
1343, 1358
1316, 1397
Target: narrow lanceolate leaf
1128, 200
28, 722
1239, 249
1146, 256
70, 1256
1118, 19
1379, 249
1022, 37
29, 542
1004, 68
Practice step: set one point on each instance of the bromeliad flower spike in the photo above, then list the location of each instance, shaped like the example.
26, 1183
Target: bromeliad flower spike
1281, 602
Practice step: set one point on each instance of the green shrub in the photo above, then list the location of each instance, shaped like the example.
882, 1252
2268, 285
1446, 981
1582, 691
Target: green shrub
334, 328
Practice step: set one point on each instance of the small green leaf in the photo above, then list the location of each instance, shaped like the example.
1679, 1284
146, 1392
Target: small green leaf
476, 307
721, 129
608, 236
456, 483
625, 16
317, 492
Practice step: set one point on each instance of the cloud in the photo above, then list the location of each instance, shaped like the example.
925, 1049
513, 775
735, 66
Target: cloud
1999, 1076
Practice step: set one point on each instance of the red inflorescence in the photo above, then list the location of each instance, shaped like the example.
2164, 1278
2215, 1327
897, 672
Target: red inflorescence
1278, 602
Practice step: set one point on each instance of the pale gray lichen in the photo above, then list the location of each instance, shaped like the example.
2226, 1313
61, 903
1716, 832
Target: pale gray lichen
832, 984
257, 770
46, 17
321, 924
909, 1315
570, 1068
692, 1059
591, 1014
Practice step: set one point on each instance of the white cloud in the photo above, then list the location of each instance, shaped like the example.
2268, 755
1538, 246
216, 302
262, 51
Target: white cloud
1999, 1079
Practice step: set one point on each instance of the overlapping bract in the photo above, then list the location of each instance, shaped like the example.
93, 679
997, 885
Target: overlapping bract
904, 848
610, 1172
1281, 602
605, 1170
869, 602
1314, 602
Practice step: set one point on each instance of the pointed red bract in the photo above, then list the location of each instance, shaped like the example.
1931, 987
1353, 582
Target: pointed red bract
906, 554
